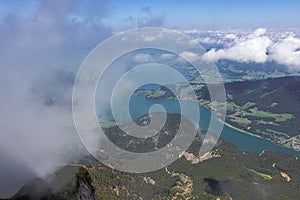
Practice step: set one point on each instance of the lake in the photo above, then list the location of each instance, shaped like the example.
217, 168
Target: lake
140, 106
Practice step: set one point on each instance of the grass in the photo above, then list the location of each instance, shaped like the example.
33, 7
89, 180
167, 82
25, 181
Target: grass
277, 132
157, 93
266, 122
262, 114
155, 142
274, 104
184, 93
233, 107
262, 175
108, 124
229, 96
287, 145
241, 120
154, 93
248, 105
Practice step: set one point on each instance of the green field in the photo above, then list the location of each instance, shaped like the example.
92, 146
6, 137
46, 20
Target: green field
262, 114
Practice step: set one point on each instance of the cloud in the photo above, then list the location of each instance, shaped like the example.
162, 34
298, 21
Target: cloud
149, 38
231, 36
205, 40
167, 56
147, 19
193, 31
286, 51
150, 21
189, 56
259, 46
259, 32
142, 58
250, 49
39, 57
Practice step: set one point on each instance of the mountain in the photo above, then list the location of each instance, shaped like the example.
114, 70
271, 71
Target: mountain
268, 108
70, 182
233, 71
237, 71
226, 174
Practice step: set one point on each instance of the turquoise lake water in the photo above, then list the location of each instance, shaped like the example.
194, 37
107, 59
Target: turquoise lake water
140, 106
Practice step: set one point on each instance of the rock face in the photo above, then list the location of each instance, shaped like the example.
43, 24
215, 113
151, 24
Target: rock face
85, 192
149, 180
286, 176
196, 159
67, 183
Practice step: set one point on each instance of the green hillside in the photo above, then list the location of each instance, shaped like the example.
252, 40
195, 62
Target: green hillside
269, 108
229, 174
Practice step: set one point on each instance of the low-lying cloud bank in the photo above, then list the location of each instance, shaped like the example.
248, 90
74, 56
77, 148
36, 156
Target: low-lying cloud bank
286, 51
41, 50
259, 47
39, 57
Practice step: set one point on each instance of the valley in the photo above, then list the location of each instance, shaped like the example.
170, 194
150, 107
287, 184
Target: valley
267, 108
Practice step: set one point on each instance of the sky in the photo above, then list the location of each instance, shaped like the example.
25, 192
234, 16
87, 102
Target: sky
43, 42
216, 13
174, 14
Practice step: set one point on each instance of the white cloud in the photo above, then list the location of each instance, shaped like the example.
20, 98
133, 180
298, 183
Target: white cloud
259, 46
208, 40
39, 58
192, 31
167, 56
243, 46
260, 32
195, 41
190, 56
149, 38
142, 58
231, 36
250, 49
286, 51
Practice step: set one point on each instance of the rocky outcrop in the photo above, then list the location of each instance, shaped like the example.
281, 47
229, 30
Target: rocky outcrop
70, 182
84, 192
